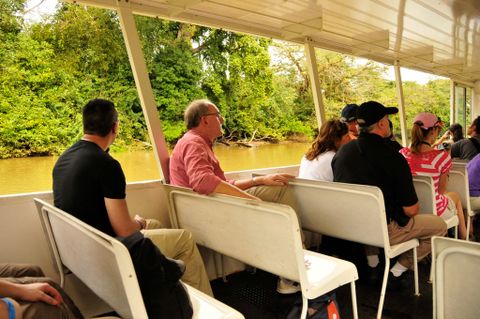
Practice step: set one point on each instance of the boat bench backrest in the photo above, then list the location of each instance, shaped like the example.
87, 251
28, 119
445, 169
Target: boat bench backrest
104, 265
458, 182
101, 262
261, 234
456, 278
347, 211
425, 193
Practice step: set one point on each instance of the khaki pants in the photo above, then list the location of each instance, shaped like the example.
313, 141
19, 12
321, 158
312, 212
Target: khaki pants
26, 274
274, 194
421, 227
179, 244
475, 203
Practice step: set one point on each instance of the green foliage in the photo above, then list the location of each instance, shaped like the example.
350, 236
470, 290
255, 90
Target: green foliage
10, 18
31, 114
239, 80
49, 70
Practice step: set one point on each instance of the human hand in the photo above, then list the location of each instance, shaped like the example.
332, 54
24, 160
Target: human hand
39, 292
141, 221
276, 179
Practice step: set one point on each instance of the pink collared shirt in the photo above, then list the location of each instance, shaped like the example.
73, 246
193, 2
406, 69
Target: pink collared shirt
194, 165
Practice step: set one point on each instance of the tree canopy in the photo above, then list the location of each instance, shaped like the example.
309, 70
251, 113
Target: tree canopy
50, 69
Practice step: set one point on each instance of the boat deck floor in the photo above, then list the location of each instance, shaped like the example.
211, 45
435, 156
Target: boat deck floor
254, 295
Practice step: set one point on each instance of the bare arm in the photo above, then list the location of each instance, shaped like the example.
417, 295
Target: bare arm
120, 219
271, 180
31, 292
4, 312
445, 136
232, 190
411, 211
442, 183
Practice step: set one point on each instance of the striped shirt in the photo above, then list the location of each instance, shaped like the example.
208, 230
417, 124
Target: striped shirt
433, 163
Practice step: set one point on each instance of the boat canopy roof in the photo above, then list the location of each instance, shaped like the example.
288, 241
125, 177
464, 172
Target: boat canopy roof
441, 37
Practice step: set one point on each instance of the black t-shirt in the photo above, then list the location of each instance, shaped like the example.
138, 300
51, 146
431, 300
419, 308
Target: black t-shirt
82, 177
464, 149
370, 161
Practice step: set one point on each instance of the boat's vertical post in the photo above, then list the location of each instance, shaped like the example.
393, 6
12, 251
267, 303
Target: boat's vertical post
475, 100
453, 107
315, 81
401, 102
144, 88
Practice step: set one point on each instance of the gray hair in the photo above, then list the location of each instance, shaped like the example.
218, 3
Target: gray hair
194, 112
368, 129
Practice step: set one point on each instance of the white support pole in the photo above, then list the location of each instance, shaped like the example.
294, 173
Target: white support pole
453, 106
475, 101
315, 81
401, 102
144, 88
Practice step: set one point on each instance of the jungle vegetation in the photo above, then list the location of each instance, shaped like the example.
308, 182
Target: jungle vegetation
50, 69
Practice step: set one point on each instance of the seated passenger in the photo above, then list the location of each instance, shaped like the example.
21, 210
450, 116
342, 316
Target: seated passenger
369, 161
317, 162
452, 135
424, 159
194, 165
349, 117
391, 140
89, 184
28, 294
473, 170
468, 148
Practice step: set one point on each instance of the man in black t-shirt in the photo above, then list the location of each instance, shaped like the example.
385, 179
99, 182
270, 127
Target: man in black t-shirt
370, 161
468, 148
89, 184
85, 179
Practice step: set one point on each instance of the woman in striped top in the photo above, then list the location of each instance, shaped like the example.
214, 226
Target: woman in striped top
424, 159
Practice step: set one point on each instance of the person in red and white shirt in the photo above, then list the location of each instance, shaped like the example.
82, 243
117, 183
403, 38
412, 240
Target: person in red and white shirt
424, 159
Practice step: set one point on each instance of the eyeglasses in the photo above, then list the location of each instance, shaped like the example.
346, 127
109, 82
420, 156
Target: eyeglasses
217, 114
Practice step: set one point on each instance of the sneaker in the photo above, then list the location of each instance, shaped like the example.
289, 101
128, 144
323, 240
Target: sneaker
285, 286
372, 276
396, 283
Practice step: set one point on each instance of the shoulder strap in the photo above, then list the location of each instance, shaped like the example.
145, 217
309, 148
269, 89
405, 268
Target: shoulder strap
475, 143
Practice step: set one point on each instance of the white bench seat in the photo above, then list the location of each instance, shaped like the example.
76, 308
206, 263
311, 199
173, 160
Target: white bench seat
458, 182
455, 278
351, 212
425, 190
104, 265
261, 234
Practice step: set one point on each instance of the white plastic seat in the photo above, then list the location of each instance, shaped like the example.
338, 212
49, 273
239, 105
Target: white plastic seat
455, 278
263, 235
104, 265
458, 182
426, 197
338, 210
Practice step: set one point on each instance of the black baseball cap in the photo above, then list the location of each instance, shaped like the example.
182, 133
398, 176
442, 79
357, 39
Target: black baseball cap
349, 113
371, 112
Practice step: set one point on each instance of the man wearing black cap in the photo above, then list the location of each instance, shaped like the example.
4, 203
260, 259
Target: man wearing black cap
349, 116
370, 161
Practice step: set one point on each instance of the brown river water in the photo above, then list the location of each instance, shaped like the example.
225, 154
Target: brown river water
24, 175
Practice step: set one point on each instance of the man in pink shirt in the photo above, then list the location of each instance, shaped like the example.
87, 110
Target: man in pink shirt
194, 165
